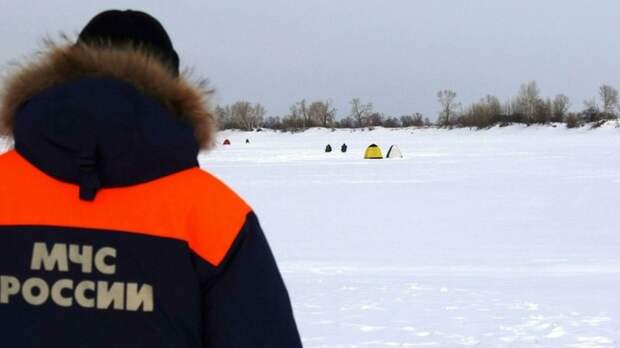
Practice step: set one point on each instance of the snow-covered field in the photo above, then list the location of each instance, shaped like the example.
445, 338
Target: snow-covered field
507, 237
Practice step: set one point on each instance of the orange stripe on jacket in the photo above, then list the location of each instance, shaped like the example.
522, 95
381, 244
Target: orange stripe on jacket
190, 205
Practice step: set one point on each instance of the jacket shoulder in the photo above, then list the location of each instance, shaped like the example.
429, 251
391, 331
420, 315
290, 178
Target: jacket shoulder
216, 215
192, 205
8, 159
205, 183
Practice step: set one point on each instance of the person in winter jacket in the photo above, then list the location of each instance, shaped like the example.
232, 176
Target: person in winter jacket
110, 233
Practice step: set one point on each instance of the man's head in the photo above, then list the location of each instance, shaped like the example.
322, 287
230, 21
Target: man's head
137, 28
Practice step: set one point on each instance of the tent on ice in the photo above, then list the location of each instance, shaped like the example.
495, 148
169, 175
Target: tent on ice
226, 142
394, 152
328, 148
373, 152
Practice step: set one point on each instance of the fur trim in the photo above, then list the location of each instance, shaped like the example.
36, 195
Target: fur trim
60, 64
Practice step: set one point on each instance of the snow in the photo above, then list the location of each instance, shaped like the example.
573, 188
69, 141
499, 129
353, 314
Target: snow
506, 237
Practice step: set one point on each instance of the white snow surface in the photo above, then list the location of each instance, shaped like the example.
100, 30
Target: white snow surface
508, 237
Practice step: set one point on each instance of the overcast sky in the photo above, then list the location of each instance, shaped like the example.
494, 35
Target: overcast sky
394, 53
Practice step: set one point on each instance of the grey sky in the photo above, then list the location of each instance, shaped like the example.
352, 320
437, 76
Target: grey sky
395, 53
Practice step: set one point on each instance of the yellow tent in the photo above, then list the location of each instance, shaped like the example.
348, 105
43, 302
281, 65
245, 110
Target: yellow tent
373, 152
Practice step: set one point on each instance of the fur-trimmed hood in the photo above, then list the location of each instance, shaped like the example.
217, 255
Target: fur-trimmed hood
104, 117
59, 64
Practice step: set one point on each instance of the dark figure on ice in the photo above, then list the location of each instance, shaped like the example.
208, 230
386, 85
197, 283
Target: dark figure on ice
328, 148
247, 141
110, 233
343, 148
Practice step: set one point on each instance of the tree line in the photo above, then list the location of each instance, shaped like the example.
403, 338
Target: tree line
527, 107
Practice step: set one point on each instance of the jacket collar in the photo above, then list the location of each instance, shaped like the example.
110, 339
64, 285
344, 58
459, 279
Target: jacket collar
59, 64
104, 117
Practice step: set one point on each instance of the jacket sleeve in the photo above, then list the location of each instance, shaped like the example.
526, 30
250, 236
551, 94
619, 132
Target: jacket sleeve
246, 304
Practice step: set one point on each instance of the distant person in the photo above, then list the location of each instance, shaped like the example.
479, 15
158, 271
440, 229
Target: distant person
110, 233
343, 148
247, 141
328, 148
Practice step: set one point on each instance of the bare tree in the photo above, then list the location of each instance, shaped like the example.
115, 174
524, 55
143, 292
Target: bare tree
494, 105
482, 114
544, 111
449, 105
360, 111
592, 112
273, 123
414, 120
240, 115
258, 115
245, 115
392, 122
609, 97
322, 113
347, 122
293, 120
303, 112
224, 120
509, 107
528, 100
591, 104
561, 104
300, 113
375, 119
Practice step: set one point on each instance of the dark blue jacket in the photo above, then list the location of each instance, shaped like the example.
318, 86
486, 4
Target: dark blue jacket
110, 234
